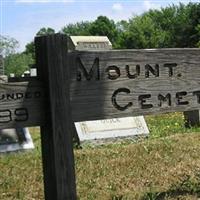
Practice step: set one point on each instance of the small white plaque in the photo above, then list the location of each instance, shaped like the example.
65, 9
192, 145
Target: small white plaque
112, 128
33, 72
89, 43
14, 140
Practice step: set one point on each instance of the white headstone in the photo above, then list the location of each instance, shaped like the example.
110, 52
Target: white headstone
15, 139
112, 128
12, 75
33, 71
27, 73
89, 43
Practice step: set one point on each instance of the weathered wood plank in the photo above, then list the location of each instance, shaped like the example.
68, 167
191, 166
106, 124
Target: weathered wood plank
178, 79
136, 82
21, 104
57, 145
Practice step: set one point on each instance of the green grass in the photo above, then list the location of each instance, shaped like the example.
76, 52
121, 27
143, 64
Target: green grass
164, 166
168, 124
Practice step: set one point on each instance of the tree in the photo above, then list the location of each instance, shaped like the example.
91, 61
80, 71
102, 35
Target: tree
122, 28
198, 33
30, 47
14, 62
143, 33
45, 31
173, 26
8, 45
17, 63
104, 27
77, 29
180, 22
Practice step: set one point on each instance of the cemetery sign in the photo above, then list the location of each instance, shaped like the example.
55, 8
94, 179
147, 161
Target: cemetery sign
133, 82
90, 85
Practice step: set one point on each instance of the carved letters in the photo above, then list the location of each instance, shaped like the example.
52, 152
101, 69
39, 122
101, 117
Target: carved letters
114, 72
133, 72
162, 100
111, 84
18, 115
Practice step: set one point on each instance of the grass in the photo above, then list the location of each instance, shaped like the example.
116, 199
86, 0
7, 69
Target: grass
164, 166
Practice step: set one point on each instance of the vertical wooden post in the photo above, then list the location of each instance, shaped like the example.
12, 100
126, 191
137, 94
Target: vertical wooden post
192, 118
57, 146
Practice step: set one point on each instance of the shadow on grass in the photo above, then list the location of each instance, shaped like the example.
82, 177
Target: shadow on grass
169, 193
187, 187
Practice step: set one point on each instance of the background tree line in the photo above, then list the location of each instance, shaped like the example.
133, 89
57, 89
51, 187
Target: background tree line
169, 27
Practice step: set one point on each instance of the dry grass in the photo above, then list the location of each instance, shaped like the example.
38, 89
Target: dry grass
157, 168
21, 174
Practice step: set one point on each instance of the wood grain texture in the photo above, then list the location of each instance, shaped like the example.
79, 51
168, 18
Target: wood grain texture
92, 99
21, 104
57, 146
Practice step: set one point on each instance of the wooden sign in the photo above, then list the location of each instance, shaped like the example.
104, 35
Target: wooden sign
21, 104
112, 84
135, 82
90, 85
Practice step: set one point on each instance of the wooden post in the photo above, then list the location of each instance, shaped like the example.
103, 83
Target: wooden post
192, 118
57, 146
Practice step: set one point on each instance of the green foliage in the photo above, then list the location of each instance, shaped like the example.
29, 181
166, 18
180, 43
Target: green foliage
13, 62
172, 26
143, 33
30, 47
45, 31
78, 29
180, 21
8, 45
17, 63
103, 26
198, 33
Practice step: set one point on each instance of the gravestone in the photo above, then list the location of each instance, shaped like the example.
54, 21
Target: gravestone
89, 43
15, 139
112, 128
108, 128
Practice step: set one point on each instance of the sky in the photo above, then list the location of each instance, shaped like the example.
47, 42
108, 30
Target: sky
22, 19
